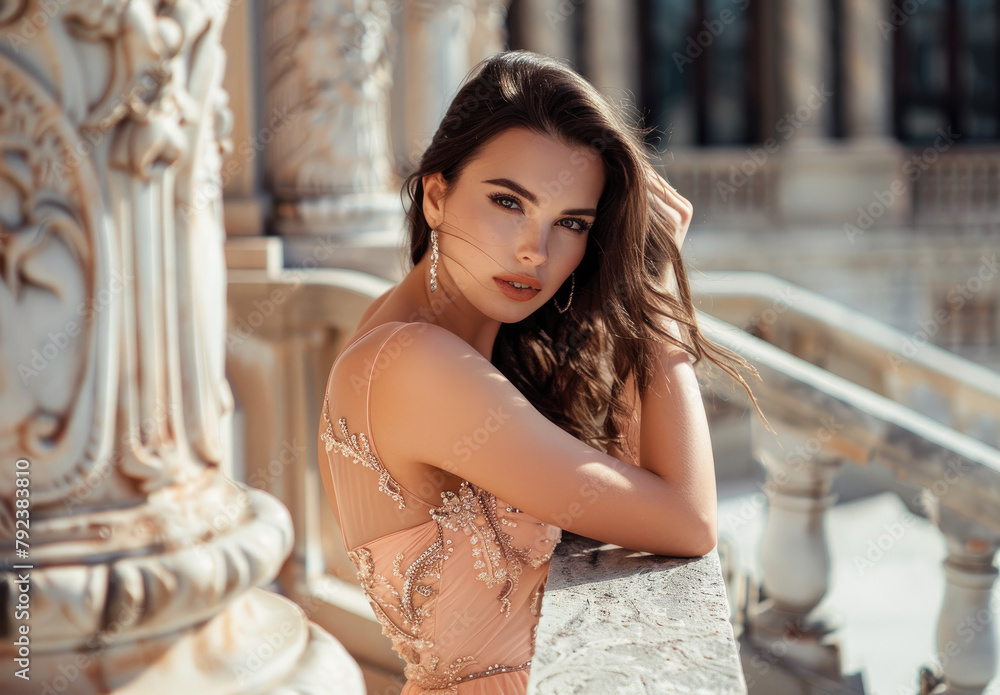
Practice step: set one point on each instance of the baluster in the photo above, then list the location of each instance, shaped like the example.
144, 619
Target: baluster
795, 557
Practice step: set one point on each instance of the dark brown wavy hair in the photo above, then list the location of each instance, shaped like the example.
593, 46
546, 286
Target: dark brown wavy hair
573, 366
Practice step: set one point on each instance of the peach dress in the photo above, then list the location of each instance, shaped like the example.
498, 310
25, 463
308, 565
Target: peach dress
459, 593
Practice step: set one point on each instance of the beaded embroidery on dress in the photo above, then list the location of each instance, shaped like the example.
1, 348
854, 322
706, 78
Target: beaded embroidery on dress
458, 594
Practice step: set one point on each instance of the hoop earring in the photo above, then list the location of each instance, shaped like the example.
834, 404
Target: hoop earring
570, 301
434, 260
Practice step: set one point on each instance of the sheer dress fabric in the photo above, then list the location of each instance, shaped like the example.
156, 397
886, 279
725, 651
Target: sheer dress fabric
457, 593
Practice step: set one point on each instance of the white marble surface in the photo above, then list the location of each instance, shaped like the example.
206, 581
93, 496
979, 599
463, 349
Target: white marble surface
621, 621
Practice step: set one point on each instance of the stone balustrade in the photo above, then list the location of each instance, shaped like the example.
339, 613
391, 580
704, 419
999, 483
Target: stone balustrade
825, 422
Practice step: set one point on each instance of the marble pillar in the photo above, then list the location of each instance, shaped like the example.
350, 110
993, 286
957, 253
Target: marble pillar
490, 33
611, 48
437, 49
861, 188
546, 26
795, 556
867, 71
326, 76
131, 562
806, 67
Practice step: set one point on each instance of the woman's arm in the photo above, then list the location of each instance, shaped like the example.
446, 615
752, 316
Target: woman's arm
672, 437
441, 403
674, 440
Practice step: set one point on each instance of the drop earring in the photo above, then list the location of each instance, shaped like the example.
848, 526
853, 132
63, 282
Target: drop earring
570, 301
434, 260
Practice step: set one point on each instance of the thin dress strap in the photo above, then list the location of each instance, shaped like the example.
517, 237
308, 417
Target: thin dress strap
368, 414
368, 395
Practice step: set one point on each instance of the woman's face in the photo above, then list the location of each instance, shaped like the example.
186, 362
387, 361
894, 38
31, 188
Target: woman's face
519, 212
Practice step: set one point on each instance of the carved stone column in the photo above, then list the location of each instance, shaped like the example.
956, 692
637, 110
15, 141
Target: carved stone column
806, 64
245, 201
612, 52
867, 70
129, 559
546, 26
856, 176
490, 33
795, 558
437, 44
327, 73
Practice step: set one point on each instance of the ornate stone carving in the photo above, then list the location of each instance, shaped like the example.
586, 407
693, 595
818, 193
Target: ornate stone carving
437, 42
119, 373
327, 69
118, 529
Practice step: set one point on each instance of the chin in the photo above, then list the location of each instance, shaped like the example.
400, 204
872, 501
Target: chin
514, 313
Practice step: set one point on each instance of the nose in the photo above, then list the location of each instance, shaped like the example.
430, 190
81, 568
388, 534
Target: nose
532, 243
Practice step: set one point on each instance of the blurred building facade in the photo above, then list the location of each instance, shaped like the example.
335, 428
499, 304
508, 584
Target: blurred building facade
844, 145
848, 146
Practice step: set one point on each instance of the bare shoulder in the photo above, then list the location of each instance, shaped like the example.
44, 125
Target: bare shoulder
401, 355
374, 307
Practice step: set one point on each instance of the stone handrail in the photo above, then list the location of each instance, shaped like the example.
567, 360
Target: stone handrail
621, 621
850, 344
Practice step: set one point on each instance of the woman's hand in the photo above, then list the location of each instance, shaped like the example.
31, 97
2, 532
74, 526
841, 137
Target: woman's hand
670, 204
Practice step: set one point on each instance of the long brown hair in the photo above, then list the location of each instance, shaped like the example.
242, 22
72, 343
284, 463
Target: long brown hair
573, 366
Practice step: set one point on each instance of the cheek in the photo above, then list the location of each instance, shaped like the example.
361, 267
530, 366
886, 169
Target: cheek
573, 248
492, 225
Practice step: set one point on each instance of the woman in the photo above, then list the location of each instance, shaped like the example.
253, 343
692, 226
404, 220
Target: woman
530, 374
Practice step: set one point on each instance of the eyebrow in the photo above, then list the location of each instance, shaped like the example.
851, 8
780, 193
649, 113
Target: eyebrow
533, 199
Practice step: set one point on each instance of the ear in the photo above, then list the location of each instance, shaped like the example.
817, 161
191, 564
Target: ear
435, 190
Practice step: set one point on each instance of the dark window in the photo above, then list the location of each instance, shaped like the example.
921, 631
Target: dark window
838, 125
701, 70
945, 74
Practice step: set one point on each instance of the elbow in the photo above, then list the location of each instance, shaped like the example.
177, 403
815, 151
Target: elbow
698, 541
711, 539
706, 539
